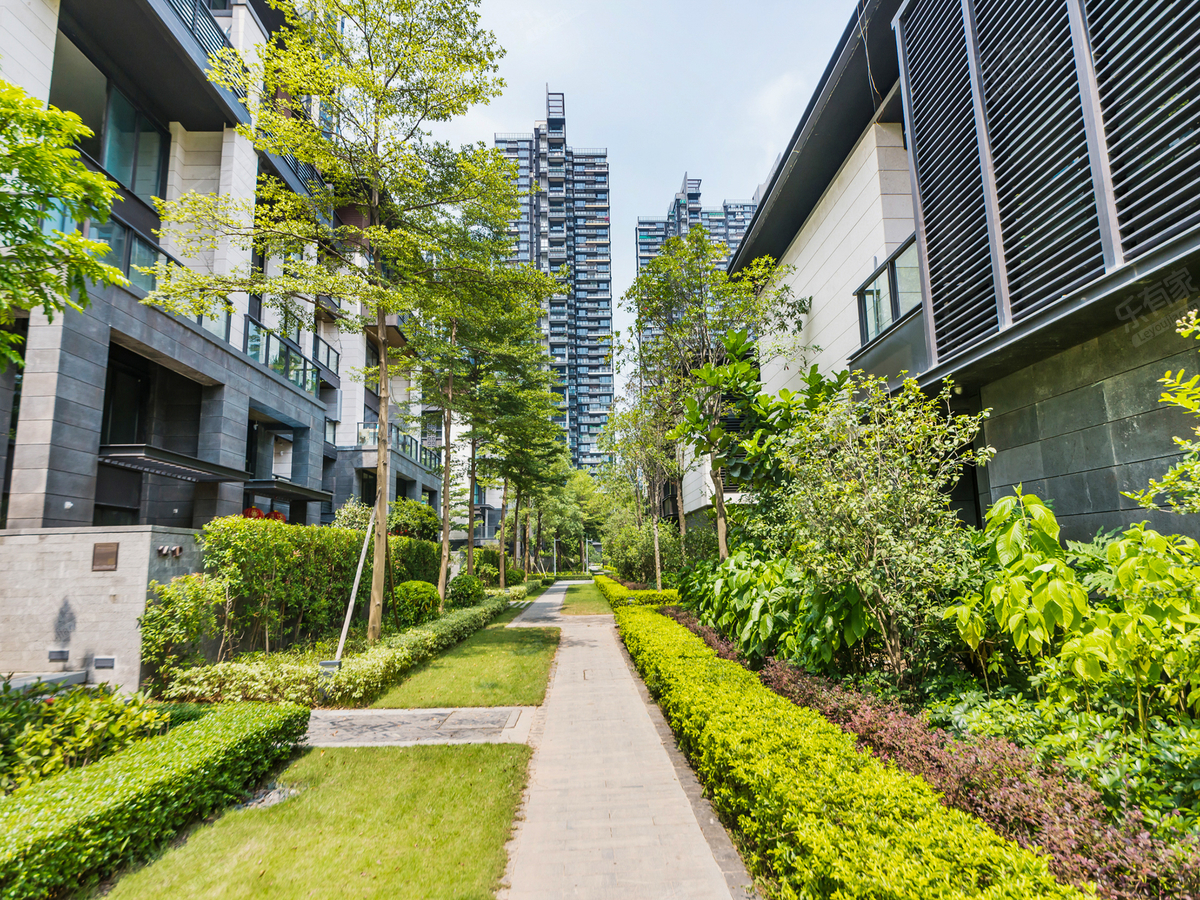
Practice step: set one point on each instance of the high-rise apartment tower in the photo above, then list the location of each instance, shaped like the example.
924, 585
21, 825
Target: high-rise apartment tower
564, 221
725, 223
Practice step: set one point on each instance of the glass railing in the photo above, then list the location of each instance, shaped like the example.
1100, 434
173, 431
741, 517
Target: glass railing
403, 443
264, 346
326, 355
330, 431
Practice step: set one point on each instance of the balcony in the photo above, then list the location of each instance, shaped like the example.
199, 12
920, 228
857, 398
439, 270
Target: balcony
325, 355
404, 444
265, 347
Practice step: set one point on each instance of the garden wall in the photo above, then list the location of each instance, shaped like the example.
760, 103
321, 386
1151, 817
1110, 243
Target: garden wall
1079, 427
53, 599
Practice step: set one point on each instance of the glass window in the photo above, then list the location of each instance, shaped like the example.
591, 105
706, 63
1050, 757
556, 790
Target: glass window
908, 279
120, 138
147, 175
142, 254
877, 306
115, 235
79, 87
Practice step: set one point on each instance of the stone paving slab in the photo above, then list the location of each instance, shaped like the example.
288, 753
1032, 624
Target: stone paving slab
411, 727
608, 813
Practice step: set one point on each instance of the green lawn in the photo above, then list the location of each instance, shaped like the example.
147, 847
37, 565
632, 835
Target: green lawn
387, 822
585, 600
496, 666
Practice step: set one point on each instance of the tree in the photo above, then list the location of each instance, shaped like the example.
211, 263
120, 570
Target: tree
44, 185
685, 304
395, 222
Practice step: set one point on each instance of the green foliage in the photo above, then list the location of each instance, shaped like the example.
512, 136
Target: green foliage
416, 602
1179, 489
90, 821
629, 548
181, 615
44, 179
289, 583
548, 580
514, 576
296, 677
816, 817
46, 731
488, 574
618, 595
406, 518
465, 590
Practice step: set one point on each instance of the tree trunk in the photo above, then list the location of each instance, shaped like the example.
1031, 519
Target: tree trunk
719, 507
516, 551
682, 517
583, 553
503, 515
657, 552
538, 544
528, 542
447, 421
471, 512
383, 477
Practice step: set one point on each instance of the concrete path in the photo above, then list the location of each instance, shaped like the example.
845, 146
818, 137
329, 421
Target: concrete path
410, 727
608, 813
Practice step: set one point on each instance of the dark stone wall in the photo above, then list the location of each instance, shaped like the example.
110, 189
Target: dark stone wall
1080, 427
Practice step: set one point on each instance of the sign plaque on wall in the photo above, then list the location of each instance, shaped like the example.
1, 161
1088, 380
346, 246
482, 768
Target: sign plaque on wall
104, 557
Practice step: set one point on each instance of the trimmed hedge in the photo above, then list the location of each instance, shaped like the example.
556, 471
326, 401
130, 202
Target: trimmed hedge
416, 603
465, 590
817, 817
360, 680
120, 809
618, 595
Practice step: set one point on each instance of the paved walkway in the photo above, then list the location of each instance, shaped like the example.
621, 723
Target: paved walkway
410, 727
607, 813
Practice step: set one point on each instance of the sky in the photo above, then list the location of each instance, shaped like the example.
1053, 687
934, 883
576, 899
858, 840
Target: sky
713, 88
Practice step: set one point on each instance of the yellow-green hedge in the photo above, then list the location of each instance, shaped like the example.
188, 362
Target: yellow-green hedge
92, 820
819, 819
618, 595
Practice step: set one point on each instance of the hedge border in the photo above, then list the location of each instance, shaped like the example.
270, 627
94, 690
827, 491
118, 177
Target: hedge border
817, 817
618, 595
119, 809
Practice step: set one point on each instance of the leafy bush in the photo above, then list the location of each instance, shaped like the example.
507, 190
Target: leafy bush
406, 518
618, 595
362, 677
514, 576
629, 548
45, 732
488, 574
289, 583
817, 817
465, 590
90, 821
176, 621
416, 603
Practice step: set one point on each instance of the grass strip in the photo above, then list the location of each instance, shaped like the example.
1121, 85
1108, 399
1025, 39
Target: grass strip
496, 666
403, 823
585, 600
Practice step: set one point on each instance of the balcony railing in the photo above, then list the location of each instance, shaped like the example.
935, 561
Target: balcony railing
204, 28
265, 347
326, 355
404, 444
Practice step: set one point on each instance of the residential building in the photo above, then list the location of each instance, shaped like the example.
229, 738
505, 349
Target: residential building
564, 221
726, 224
1007, 196
124, 415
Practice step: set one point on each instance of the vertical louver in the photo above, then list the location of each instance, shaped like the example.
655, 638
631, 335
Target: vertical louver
1148, 69
946, 153
1039, 150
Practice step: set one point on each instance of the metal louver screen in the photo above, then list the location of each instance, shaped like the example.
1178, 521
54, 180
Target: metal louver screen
946, 152
1148, 68
1044, 190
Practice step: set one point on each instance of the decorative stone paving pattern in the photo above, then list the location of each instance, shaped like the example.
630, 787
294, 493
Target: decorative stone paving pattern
410, 727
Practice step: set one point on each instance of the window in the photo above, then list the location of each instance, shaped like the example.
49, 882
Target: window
130, 147
891, 292
127, 250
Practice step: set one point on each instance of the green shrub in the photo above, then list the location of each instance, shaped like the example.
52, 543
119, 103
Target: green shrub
182, 613
362, 677
416, 602
618, 595
43, 733
488, 574
464, 590
291, 582
817, 817
88, 822
406, 518
517, 594
514, 576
